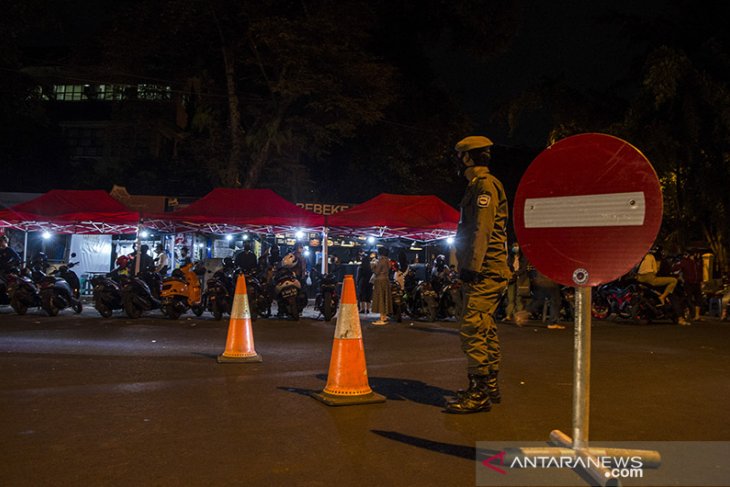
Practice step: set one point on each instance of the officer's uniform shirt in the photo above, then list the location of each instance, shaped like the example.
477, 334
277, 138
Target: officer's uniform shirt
481, 238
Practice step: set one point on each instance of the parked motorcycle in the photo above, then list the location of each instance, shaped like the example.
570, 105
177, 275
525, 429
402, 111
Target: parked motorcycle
23, 291
423, 302
181, 292
107, 294
616, 297
259, 299
219, 290
397, 295
290, 297
61, 289
327, 300
141, 293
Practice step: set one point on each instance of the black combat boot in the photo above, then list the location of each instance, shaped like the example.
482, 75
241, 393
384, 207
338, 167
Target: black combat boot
474, 399
473, 378
493, 387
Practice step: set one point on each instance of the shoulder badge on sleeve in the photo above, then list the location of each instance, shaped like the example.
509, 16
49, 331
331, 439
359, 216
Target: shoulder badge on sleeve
483, 200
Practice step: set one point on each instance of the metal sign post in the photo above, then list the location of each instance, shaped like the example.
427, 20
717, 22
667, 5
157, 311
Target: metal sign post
581, 366
586, 210
324, 251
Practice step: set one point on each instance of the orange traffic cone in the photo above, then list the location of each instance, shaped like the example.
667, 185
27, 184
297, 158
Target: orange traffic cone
239, 344
347, 380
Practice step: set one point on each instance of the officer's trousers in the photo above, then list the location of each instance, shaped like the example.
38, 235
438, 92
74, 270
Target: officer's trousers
479, 339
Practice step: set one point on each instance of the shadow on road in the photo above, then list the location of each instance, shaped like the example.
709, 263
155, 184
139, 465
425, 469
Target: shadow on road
394, 390
448, 331
297, 390
460, 451
212, 356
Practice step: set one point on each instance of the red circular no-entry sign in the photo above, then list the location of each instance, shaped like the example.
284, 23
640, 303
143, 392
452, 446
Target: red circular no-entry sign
587, 209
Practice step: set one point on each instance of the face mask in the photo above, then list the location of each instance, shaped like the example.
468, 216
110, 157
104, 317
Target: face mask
461, 166
515, 249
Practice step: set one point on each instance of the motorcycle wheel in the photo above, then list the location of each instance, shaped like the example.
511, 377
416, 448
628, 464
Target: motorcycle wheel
685, 313
78, 308
198, 310
170, 312
132, 311
217, 311
327, 308
103, 310
47, 304
600, 310
638, 315
292, 308
625, 312
18, 306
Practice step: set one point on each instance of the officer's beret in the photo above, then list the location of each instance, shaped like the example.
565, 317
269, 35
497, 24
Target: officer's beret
472, 142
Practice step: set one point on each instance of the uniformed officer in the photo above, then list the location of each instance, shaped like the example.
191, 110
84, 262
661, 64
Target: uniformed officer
481, 250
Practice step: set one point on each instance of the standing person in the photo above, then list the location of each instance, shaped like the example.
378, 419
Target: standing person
246, 259
146, 262
382, 303
9, 258
263, 262
163, 263
690, 268
545, 289
481, 251
518, 266
274, 257
184, 257
301, 268
364, 286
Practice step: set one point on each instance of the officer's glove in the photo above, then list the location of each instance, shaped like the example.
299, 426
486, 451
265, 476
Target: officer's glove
468, 275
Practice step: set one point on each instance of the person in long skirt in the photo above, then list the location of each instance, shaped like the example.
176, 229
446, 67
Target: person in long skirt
382, 303
364, 284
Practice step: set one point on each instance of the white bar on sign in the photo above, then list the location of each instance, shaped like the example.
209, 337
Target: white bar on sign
594, 210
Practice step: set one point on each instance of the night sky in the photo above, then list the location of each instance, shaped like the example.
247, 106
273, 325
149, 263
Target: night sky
578, 44
565, 40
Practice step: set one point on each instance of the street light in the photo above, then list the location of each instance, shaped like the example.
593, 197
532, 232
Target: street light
371, 240
46, 235
450, 240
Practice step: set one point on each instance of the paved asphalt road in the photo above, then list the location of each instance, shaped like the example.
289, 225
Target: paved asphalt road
92, 401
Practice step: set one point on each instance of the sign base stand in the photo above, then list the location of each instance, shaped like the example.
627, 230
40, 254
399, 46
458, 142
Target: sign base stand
577, 447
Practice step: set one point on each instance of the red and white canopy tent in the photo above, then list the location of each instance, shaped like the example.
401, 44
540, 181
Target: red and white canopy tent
71, 211
421, 218
87, 212
224, 211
